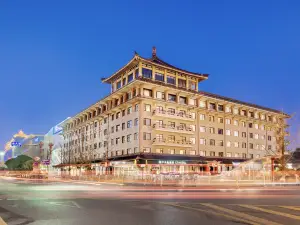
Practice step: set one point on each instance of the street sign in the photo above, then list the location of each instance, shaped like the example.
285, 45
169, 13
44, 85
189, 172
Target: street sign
15, 143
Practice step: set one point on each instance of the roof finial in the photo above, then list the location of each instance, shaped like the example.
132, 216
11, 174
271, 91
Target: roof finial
153, 51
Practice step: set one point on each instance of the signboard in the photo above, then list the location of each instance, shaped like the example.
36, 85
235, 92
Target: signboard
171, 162
46, 162
15, 143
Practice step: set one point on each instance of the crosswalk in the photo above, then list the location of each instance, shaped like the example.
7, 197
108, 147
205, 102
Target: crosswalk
246, 213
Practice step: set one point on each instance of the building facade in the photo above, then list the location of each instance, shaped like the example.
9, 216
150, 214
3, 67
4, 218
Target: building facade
156, 120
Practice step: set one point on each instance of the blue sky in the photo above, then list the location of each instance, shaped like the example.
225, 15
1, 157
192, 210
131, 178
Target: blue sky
53, 53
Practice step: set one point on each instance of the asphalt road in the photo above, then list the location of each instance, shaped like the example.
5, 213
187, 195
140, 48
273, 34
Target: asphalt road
28, 202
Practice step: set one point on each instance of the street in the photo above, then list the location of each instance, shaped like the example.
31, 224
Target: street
43, 202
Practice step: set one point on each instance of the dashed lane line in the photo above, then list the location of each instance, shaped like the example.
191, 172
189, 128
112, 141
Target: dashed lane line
290, 207
272, 212
240, 214
231, 217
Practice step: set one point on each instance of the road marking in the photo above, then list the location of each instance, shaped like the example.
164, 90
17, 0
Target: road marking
240, 214
2, 221
290, 207
272, 212
234, 218
74, 204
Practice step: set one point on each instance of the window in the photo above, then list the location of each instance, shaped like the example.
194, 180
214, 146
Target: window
236, 144
105, 131
147, 92
202, 104
220, 108
159, 77
147, 73
243, 124
236, 155
192, 85
193, 140
171, 80
228, 144
135, 149
263, 147
171, 124
202, 153
244, 134
192, 152
235, 111
212, 142
95, 146
221, 143
269, 147
211, 130
235, 122
262, 127
228, 121
211, 118
147, 108
251, 145
212, 153
192, 101
221, 154
129, 138
212, 106
171, 111
119, 84
129, 123
202, 117
112, 129
182, 152
130, 77
228, 109
160, 95
123, 126
124, 81
129, 110
112, 141
136, 107
256, 126
182, 100
250, 135
202, 141
136, 122
172, 151
123, 139
244, 145
147, 150
118, 115
147, 122
135, 136
220, 120
269, 138
250, 125
263, 137
228, 154
202, 129
172, 98
235, 133
147, 136
255, 136
123, 112
181, 83
159, 150
228, 132
220, 131
100, 144
262, 117
243, 113
117, 141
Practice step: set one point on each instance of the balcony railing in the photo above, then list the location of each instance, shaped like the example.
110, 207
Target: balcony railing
180, 128
179, 115
177, 143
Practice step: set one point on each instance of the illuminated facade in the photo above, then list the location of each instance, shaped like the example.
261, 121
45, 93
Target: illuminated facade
156, 119
23, 144
55, 138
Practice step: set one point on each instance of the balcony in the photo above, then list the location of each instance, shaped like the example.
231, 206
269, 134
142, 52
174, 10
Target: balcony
176, 129
174, 115
174, 143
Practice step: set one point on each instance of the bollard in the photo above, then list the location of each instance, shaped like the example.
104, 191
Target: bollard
161, 180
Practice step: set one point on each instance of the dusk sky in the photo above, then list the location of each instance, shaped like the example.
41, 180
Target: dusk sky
53, 54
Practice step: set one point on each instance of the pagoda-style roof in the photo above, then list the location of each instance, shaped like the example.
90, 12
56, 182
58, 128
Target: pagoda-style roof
154, 60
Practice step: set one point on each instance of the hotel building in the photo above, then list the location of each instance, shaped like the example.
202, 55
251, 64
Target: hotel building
156, 120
